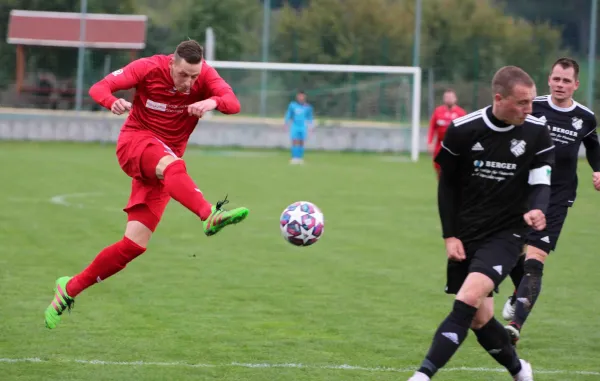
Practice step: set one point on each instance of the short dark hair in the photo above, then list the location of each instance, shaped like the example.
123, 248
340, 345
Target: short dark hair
565, 63
191, 51
507, 77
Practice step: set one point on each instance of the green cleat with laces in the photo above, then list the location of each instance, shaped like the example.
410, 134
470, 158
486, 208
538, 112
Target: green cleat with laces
219, 218
61, 302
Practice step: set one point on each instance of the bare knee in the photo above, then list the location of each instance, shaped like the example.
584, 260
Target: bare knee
475, 289
533, 252
484, 314
163, 163
138, 233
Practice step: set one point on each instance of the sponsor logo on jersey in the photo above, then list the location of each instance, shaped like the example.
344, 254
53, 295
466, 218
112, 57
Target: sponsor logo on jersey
156, 106
494, 164
493, 170
564, 131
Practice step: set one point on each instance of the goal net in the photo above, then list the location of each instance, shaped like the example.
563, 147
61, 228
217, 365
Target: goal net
341, 95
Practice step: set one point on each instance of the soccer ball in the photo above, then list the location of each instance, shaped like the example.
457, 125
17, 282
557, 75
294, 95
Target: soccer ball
302, 223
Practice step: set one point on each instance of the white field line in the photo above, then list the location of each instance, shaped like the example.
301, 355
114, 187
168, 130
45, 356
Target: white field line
37, 360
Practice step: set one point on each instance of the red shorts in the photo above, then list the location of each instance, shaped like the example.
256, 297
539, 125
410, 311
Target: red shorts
138, 154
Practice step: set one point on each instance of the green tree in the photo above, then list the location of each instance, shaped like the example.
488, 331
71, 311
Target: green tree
235, 24
345, 32
357, 32
471, 38
573, 16
464, 41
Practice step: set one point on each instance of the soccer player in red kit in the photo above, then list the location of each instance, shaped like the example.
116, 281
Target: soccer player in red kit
172, 93
440, 120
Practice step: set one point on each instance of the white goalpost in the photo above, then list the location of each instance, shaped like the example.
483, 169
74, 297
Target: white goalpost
413, 72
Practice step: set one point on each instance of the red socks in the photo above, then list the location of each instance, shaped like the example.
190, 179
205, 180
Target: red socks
182, 188
108, 262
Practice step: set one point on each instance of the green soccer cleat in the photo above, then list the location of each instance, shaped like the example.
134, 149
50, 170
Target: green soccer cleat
59, 304
219, 218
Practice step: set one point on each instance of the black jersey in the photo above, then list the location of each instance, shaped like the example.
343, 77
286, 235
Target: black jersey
493, 166
569, 127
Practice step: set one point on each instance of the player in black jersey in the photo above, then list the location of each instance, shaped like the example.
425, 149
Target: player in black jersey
495, 182
570, 124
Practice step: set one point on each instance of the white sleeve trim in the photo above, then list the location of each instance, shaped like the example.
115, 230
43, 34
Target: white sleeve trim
544, 150
448, 149
540, 175
589, 133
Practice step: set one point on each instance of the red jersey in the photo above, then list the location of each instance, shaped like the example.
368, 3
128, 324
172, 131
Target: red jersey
440, 120
158, 108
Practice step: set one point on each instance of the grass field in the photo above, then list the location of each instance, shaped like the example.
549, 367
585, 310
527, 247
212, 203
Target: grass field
362, 304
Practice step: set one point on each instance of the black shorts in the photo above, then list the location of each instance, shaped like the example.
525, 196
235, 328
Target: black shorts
494, 257
547, 239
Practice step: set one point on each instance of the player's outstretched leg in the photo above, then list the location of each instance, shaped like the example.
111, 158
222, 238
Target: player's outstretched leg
180, 186
108, 262
219, 218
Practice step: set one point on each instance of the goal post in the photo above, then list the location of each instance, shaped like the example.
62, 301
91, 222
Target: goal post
388, 75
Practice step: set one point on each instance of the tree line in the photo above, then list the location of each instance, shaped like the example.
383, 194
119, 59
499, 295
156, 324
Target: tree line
461, 40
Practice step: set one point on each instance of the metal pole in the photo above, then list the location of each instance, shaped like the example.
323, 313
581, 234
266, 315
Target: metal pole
416, 117
80, 57
265, 55
107, 60
430, 92
416, 82
592, 54
417, 37
210, 45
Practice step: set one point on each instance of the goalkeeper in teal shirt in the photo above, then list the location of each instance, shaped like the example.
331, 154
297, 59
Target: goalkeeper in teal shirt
298, 120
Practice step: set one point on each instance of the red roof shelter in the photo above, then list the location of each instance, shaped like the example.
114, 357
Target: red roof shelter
102, 31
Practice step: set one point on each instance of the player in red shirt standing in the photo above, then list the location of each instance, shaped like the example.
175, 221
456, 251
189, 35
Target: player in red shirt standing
440, 120
172, 93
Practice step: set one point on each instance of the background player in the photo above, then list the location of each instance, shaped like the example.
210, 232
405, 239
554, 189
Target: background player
298, 119
172, 92
571, 124
495, 180
441, 118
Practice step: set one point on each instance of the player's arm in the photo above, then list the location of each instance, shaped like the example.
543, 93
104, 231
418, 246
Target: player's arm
122, 79
221, 93
592, 148
540, 173
449, 159
432, 128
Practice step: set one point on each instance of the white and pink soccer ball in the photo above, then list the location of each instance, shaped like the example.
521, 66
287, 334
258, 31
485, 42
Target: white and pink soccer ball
302, 223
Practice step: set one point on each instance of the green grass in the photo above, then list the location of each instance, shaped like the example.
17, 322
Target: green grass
369, 294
